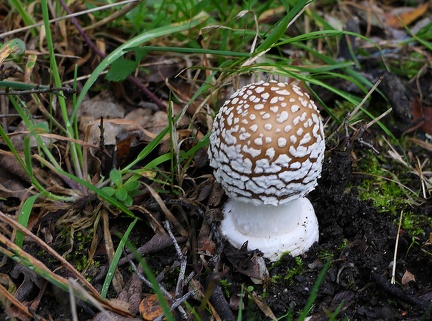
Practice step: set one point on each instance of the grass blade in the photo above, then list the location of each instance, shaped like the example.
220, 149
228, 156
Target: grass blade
314, 292
116, 258
24, 217
120, 51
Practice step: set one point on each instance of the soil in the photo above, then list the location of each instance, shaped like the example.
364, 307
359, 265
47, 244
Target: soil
355, 250
361, 243
358, 242
354, 255
351, 265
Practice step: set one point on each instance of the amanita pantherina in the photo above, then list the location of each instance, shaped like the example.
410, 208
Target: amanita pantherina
267, 148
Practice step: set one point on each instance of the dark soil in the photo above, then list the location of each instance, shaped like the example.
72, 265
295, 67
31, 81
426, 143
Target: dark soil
356, 247
361, 244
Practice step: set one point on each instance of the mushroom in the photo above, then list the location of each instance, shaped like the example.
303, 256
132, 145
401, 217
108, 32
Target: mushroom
266, 149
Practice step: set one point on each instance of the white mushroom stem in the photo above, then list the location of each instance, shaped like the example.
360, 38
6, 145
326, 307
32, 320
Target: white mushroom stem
291, 227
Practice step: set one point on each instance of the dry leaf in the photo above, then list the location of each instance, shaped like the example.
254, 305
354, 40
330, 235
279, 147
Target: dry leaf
407, 277
405, 16
421, 114
205, 242
120, 304
248, 263
150, 308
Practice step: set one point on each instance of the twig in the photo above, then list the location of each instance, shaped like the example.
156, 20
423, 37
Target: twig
132, 79
182, 259
164, 291
128, 7
377, 119
158, 242
393, 278
183, 262
177, 303
147, 282
36, 90
398, 293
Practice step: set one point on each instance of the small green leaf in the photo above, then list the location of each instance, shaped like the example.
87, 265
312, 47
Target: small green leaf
134, 193
128, 201
131, 186
121, 69
109, 190
121, 194
116, 177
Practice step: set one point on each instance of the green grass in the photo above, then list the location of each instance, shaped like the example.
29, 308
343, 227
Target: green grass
238, 43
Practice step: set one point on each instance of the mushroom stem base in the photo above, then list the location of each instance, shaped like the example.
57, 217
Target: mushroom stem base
290, 227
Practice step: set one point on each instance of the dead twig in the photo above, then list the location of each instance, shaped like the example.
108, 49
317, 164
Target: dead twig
393, 277
175, 304
38, 90
157, 242
398, 293
182, 258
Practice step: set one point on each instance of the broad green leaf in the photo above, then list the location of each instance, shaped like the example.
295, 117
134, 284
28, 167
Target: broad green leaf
121, 194
128, 201
131, 186
109, 190
121, 69
116, 177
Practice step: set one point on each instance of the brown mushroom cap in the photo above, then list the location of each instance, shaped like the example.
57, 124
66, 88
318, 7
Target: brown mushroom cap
267, 144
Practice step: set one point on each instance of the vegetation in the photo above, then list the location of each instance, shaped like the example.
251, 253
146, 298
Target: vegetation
83, 174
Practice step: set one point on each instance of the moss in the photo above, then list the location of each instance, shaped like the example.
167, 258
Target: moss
296, 270
414, 223
389, 196
326, 255
226, 287
379, 187
78, 257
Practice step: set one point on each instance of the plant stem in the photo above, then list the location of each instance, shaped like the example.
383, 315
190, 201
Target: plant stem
62, 102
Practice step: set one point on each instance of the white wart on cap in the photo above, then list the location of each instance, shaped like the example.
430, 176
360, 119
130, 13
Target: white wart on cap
267, 144
266, 148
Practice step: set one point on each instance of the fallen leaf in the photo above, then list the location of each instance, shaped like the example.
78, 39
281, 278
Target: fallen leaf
405, 16
407, 277
120, 304
421, 116
248, 263
395, 91
150, 307
205, 243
